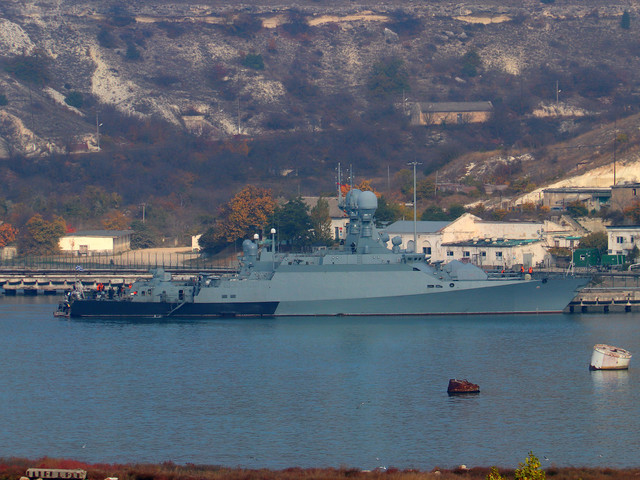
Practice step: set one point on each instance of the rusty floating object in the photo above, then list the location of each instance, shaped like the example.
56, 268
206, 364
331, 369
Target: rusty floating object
457, 387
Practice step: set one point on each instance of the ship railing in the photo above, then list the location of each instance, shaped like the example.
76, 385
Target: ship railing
505, 275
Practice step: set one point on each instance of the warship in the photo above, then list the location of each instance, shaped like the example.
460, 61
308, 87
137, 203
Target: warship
363, 277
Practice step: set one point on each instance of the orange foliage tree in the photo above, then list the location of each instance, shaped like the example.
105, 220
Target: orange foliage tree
633, 212
115, 220
7, 234
244, 215
41, 237
364, 185
247, 212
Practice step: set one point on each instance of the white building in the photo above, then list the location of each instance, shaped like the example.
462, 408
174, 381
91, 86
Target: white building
93, 242
195, 242
622, 239
429, 235
498, 253
485, 242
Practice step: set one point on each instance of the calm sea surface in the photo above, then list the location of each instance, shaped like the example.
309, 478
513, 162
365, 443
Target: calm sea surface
354, 392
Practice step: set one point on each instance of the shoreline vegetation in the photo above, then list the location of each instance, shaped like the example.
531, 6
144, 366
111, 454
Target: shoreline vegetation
15, 468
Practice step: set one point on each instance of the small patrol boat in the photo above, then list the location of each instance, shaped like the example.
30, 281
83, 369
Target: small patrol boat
608, 357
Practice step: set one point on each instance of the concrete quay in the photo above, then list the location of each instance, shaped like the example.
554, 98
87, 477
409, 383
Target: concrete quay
58, 282
605, 300
54, 284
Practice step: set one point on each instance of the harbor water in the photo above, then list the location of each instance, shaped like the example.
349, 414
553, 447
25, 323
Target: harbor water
361, 392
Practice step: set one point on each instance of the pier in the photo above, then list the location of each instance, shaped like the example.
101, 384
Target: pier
56, 274
605, 300
57, 282
607, 293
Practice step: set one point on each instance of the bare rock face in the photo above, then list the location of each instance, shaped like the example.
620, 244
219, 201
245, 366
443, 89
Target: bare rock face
258, 67
14, 40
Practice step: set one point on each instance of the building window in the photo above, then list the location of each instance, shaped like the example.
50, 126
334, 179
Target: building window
466, 254
499, 255
449, 253
426, 250
483, 254
619, 239
634, 192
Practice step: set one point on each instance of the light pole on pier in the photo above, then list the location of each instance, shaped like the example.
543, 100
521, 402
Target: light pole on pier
415, 226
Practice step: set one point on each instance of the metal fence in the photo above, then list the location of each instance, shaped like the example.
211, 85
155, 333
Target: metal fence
137, 260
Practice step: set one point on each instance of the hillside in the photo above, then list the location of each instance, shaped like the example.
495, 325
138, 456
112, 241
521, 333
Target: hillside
300, 88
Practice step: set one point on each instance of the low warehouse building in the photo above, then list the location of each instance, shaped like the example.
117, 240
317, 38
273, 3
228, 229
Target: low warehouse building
94, 242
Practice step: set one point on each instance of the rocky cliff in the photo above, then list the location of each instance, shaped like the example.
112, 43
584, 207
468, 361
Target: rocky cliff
222, 68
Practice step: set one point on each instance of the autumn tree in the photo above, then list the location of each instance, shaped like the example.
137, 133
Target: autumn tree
633, 212
245, 214
41, 237
321, 222
364, 186
115, 220
7, 234
577, 209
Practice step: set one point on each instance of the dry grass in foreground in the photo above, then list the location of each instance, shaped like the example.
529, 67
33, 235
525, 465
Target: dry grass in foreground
14, 468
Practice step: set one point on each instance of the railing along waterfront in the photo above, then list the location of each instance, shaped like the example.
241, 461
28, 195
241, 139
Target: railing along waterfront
136, 260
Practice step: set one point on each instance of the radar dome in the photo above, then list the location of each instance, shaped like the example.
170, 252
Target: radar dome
367, 201
396, 240
352, 198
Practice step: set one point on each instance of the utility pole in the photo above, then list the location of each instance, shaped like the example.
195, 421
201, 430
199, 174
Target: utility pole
615, 139
415, 219
238, 115
98, 125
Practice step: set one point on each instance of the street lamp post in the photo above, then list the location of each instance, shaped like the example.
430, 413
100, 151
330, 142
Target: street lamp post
273, 247
415, 226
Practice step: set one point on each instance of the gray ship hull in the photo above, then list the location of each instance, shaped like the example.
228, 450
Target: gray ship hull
549, 295
537, 296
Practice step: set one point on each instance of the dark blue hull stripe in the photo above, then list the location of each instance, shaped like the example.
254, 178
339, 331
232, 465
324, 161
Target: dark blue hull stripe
106, 308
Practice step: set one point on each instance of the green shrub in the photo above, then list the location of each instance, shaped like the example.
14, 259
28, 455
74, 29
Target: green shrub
625, 21
530, 469
74, 99
253, 60
30, 69
243, 25
106, 39
132, 52
494, 474
388, 76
